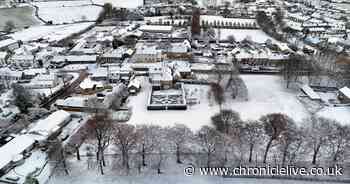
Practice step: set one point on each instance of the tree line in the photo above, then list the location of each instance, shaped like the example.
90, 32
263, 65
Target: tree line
274, 139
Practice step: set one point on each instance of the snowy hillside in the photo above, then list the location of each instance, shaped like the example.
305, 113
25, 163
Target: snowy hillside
60, 12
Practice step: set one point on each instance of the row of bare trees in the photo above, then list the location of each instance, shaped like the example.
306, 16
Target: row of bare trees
273, 139
276, 137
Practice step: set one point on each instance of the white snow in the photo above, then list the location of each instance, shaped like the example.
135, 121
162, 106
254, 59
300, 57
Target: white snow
340, 114
50, 125
14, 148
345, 91
240, 34
121, 3
310, 92
267, 94
60, 12
50, 33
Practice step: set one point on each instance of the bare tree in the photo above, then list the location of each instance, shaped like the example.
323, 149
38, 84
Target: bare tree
179, 135
288, 137
209, 139
318, 131
57, 154
94, 105
226, 121
339, 143
218, 93
253, 131
147, 140
274, 125
125, 139
101, 128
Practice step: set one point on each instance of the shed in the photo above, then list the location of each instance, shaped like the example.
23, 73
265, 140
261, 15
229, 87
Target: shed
310, 92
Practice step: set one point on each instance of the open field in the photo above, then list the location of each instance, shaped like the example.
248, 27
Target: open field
121, 3
21, 16
60, 12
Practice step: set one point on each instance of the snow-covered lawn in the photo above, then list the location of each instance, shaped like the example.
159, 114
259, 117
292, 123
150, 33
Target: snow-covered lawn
68, 11
240, 34
173, 174
50, 33
267, 94
121, 3
169, 179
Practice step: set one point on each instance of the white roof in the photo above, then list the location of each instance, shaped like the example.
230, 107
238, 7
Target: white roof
136, 83
75, 58
100, 72
8, 72
156, 28
310, 92
7, 42
89, 84
72, 102
13, 148
346, 91
52, 123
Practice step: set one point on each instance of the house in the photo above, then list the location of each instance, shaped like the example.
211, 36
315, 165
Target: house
8, 44
23, 60
179, 50
344, 95
116, 74
49, 127
32, 72
89, 85
161, 77
9, 75
115, 55
43, 81
134, 86
100, 74
147, 53
86, 48
13, 152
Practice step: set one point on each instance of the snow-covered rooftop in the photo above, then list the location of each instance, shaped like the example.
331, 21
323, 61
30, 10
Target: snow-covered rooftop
346, 91
15, 147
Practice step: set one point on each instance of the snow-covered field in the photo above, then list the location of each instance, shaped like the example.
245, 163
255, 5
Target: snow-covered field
240, 34
60, 12
50, 33
267, 94
170, 179
173, 174
121, 3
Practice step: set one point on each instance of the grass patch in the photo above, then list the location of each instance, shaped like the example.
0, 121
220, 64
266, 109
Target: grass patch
21, 17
